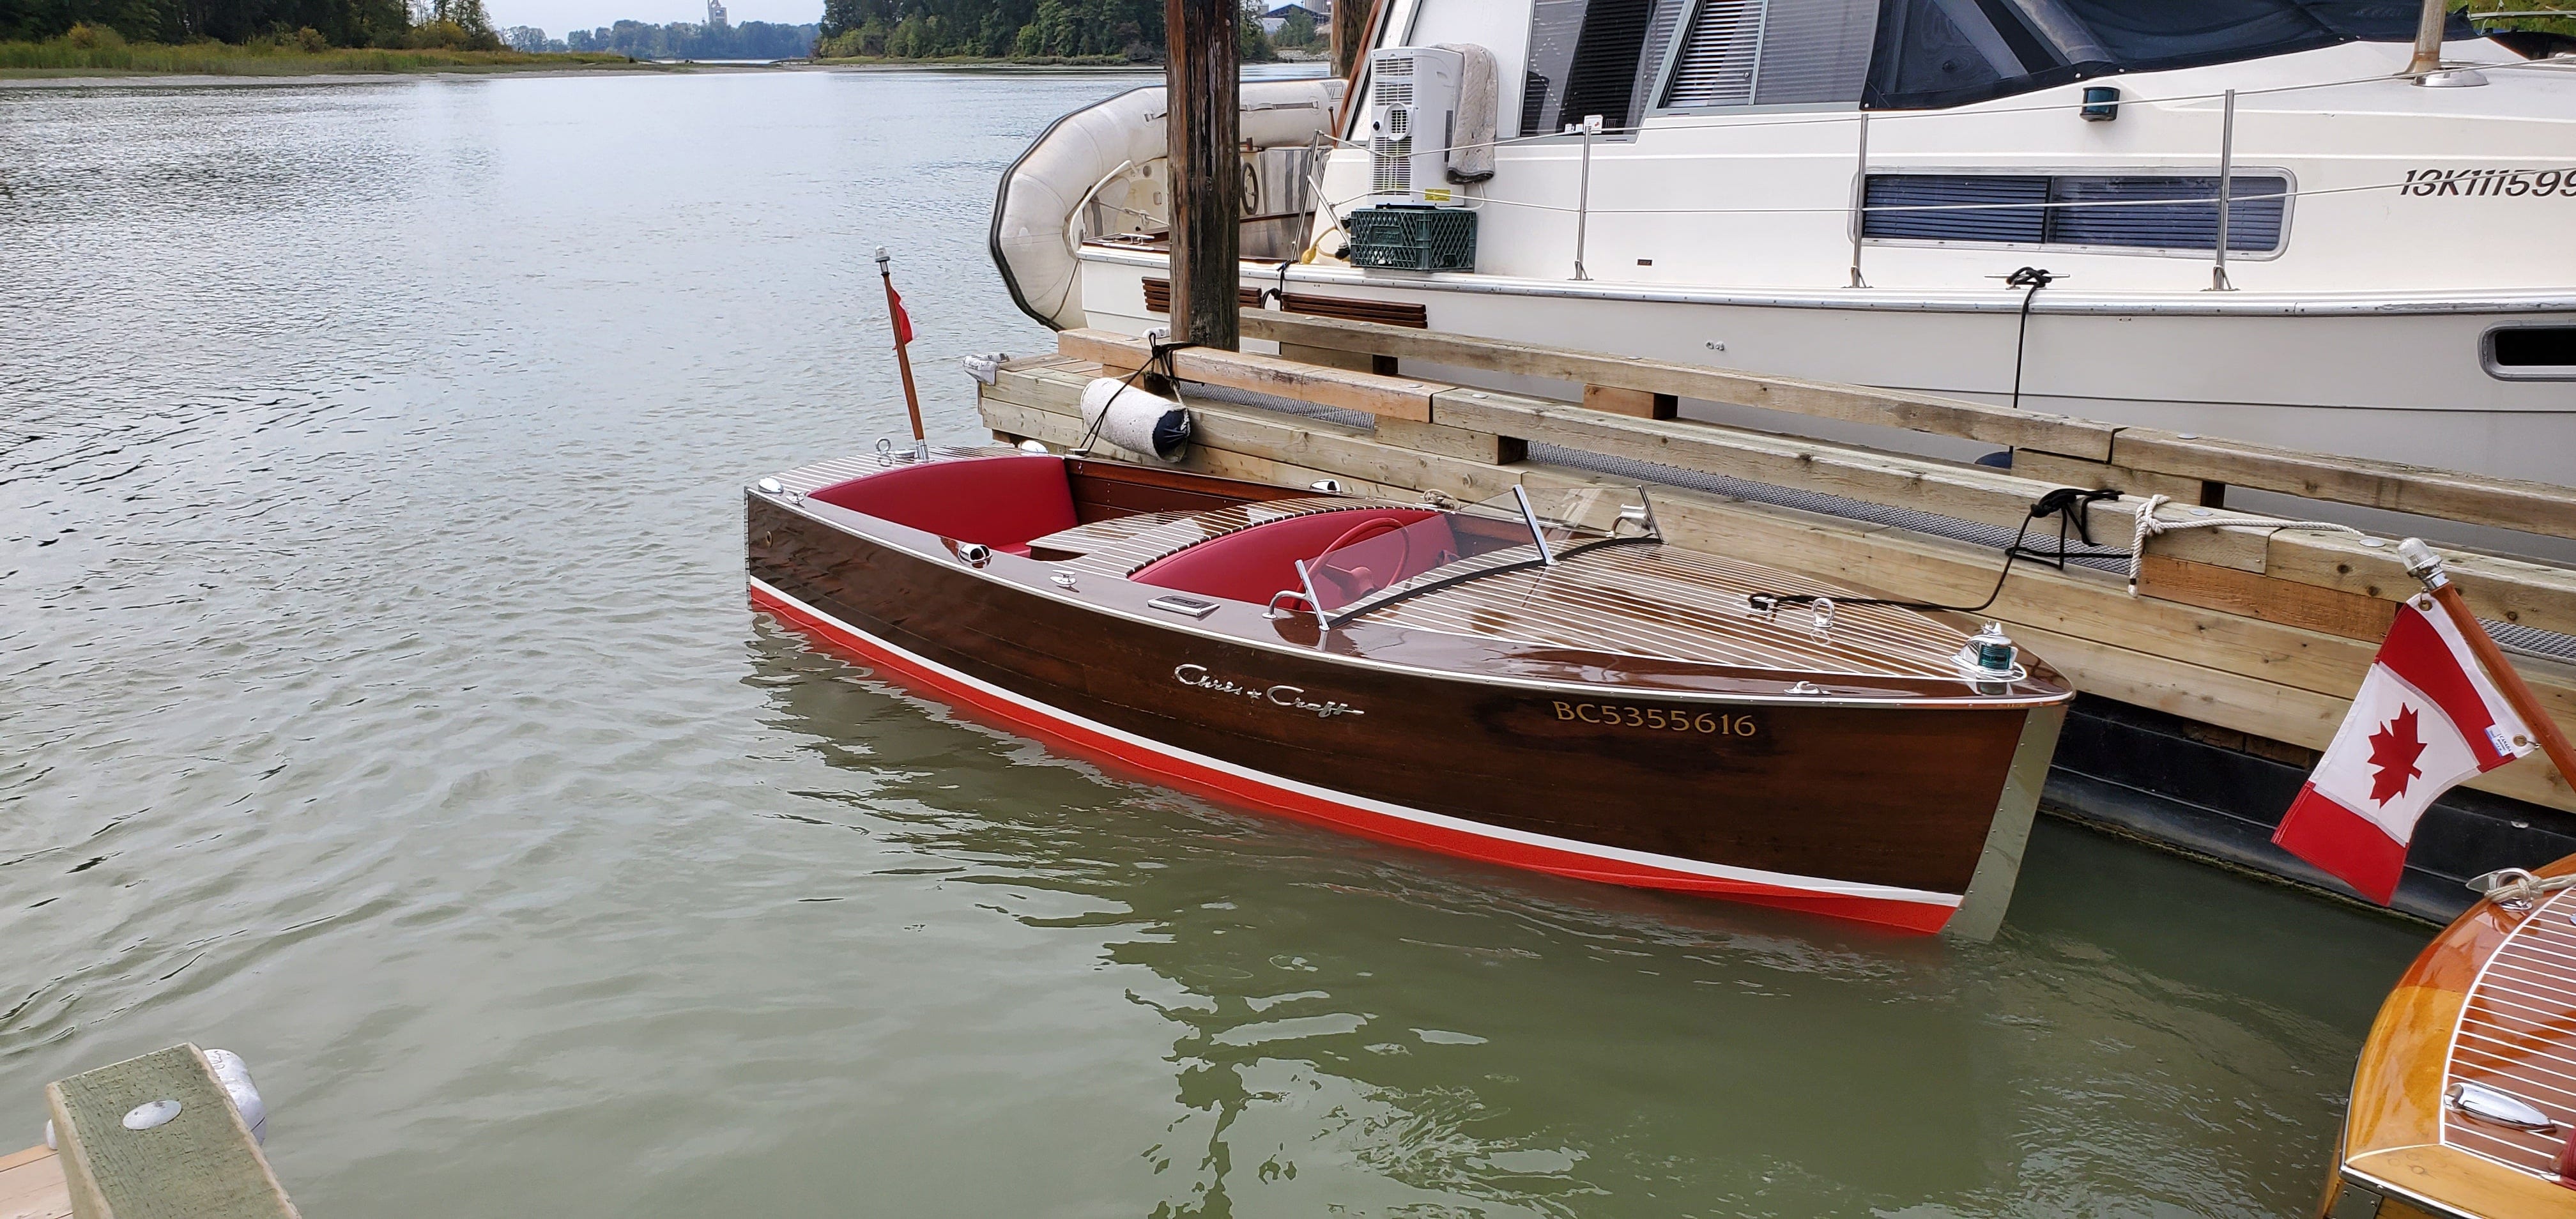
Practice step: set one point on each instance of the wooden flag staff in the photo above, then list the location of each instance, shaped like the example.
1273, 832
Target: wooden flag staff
902, 323
2426, 566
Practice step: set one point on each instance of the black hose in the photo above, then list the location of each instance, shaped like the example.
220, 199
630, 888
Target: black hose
2034, 279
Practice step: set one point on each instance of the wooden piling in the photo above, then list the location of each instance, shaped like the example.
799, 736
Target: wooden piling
1203, 129
1351, 20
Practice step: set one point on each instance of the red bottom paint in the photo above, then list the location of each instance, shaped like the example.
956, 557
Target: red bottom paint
1244, 788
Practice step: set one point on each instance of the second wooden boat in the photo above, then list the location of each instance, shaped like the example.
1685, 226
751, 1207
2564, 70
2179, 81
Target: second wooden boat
1539, 681
2464, 1104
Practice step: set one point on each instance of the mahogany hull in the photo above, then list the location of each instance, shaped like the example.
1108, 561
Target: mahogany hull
1873, 812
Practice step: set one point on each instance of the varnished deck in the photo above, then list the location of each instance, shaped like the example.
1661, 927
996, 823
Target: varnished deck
2518, 1033
2492, 1000
1666, 602
1656, 604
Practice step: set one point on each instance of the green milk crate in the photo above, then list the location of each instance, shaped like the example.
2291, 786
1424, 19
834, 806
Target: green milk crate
1413, 238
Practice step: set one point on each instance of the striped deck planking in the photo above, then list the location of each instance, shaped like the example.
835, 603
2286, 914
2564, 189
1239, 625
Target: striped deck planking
2517, 1033
1663, 601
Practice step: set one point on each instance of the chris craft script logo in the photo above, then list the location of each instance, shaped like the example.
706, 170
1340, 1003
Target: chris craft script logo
1291, 697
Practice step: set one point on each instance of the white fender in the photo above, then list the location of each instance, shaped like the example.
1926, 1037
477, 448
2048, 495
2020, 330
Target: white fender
1033, 213
1134, 420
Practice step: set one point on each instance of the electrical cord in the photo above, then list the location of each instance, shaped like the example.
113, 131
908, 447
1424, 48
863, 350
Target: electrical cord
2033, 278
2070, 505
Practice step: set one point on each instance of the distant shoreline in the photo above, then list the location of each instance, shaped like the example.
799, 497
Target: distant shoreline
289, 71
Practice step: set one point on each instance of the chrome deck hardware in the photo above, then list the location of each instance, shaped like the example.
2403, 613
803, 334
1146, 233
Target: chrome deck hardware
2497, 1106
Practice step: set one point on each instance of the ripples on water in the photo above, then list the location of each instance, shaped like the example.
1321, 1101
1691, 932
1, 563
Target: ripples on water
380, 702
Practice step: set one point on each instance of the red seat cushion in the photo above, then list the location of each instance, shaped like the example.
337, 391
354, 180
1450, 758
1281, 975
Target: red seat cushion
999, 501
1255, 564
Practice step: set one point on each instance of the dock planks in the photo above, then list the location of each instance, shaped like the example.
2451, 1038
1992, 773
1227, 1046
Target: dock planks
2255, 630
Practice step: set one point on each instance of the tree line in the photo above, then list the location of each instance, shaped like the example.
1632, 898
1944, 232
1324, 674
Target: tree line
317, 24
678, 40
1013, 29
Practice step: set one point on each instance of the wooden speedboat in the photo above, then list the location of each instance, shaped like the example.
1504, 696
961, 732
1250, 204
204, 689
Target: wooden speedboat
2464, 1104
1538, 681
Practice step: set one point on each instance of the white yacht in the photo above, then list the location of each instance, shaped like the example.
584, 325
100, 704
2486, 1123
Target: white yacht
1852, 190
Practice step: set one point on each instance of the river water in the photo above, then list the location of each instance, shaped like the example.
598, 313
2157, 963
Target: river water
378, 699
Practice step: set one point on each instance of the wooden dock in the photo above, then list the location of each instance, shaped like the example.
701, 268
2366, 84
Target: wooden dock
2250, 638
197, 1161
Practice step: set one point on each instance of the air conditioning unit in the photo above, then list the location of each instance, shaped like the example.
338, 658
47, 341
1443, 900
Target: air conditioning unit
1412, 121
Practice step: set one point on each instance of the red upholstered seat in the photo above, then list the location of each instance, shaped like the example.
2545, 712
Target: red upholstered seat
1256, 563
1001, 502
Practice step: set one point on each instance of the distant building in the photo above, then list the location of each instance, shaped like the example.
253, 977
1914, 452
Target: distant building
715, 12
1319, 11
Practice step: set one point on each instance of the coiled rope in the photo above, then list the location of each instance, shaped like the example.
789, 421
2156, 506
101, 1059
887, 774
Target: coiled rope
2522, 886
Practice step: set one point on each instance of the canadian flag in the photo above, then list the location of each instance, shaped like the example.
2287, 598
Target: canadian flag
2427, 717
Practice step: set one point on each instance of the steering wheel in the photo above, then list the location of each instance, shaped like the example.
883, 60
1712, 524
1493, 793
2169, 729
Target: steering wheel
1358, 581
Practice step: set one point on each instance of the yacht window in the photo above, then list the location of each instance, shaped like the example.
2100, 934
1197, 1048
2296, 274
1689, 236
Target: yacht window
1757, 53
1933, 53
1591, 57
1988, 207
1816, 52
1716, 67
2532, 352
2136, 211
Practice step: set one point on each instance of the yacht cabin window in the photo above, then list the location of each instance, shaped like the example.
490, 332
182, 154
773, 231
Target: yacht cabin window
1585, 58
1772, 53
1624, 59
1934, 53
2114, 211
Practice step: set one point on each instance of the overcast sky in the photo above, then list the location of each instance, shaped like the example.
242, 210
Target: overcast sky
557, 16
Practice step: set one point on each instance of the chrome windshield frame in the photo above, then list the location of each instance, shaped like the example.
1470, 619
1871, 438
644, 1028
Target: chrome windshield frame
1529, 516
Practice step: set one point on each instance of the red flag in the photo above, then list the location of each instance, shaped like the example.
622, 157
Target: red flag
2426, 719
902, 319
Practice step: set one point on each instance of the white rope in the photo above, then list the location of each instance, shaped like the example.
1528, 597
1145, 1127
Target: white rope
2522, 886
2150, 525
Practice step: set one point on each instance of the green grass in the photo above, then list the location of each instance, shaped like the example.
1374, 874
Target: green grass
60, 58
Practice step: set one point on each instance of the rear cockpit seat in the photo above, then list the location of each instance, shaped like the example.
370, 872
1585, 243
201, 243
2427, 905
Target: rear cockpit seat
1002, 502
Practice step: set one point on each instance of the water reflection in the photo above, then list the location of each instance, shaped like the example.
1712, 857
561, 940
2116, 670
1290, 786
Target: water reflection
1398, 1032
380, 704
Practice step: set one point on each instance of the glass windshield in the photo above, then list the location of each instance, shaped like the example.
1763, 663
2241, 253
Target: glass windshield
1399, 549
1934, 53
1570, 516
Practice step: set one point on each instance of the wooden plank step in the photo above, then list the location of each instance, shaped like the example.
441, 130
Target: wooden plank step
32, 1187
1339, 388
1852, 404
2477, 499
200, 1164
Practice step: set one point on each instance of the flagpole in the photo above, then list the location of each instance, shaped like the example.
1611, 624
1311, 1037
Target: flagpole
2426, 566
902, 356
